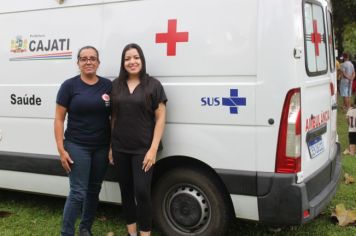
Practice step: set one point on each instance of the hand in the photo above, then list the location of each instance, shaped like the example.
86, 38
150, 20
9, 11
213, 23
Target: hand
150, 159
66, 161
111, 159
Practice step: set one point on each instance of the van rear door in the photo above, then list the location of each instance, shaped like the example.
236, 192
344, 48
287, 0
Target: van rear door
316, 96
333, 81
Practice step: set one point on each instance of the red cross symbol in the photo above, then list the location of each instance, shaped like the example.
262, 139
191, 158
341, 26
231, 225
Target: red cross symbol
172, 37
316, 37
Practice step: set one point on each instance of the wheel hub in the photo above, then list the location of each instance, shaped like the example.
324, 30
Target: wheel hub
188, 209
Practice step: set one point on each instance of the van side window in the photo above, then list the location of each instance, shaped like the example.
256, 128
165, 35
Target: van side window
315, 39
331, 42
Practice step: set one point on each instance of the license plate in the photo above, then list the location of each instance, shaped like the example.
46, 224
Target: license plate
316, 146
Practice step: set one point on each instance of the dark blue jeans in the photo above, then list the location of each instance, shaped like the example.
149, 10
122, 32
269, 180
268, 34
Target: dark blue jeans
85, 179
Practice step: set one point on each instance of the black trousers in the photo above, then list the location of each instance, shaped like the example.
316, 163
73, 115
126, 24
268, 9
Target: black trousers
135, 187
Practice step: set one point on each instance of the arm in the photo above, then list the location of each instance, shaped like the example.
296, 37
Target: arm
349, 77
150, 158
160, 115
112, 122
60, 115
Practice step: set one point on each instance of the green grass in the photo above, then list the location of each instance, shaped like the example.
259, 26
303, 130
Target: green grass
41, 215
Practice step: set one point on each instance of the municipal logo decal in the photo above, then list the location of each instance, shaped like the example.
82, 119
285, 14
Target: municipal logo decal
39, 47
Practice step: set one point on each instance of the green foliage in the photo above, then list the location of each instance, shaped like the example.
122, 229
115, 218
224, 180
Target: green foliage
344, 10
350, 39
343, 15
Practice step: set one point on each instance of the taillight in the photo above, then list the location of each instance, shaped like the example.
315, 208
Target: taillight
332, 89
289, 138
306, 214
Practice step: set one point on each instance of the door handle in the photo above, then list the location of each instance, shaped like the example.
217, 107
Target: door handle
334, 106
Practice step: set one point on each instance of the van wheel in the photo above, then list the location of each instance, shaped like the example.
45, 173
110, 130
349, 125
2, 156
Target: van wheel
189, 202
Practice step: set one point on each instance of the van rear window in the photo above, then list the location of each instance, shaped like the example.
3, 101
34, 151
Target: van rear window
331, 42
315, 39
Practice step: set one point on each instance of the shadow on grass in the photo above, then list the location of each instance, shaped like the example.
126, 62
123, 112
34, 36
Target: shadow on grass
4, 214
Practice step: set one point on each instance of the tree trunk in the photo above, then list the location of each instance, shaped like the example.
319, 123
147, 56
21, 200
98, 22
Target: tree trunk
339, 41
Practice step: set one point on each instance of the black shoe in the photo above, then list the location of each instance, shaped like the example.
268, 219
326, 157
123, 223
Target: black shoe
84, 232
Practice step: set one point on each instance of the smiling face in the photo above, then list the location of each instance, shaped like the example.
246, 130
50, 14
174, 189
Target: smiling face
132, 63
88, 62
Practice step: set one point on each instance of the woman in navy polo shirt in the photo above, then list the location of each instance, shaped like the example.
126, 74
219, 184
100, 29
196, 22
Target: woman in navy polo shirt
138, 119
84, 151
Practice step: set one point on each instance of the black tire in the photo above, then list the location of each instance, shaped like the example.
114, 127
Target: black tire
189, 202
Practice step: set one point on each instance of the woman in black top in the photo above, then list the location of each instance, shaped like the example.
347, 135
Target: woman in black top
138, 119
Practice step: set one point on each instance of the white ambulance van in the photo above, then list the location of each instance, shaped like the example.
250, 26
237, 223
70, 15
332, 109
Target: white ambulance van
251, 122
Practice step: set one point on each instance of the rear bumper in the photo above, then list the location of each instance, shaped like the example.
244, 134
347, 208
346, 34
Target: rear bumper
284, 201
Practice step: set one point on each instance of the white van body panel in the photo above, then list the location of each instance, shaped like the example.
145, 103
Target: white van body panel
212, 41
34, 182
250, 53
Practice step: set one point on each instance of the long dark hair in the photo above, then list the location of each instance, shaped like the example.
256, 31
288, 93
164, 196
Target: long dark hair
120, 82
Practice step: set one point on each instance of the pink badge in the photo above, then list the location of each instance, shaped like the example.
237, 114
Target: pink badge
105, 97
